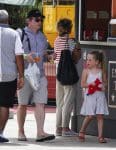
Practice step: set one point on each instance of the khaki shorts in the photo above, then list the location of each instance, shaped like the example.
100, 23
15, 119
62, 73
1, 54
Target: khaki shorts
27, 94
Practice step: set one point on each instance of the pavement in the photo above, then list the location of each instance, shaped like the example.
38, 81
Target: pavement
60, 143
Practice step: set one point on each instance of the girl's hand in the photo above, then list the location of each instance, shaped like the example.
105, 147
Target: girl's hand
102, 87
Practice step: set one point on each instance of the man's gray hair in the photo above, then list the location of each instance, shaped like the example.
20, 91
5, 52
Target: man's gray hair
4, 16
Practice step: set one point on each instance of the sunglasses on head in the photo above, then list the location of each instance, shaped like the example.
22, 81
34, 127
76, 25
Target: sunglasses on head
38, 19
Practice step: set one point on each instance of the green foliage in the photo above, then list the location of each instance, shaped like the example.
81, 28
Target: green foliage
17, 14
38, 4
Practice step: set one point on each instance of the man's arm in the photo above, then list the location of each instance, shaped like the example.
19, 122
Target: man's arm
19, 51
20, 67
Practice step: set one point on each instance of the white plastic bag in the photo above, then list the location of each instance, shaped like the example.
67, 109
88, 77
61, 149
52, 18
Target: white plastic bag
32, 74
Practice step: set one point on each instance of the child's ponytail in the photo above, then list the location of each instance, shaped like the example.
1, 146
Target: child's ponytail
102, 61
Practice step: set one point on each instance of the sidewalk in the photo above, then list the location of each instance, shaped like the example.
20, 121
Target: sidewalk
60, 143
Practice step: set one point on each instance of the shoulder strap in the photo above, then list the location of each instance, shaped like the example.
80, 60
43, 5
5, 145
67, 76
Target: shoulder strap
23, 33
28, 40
66, 43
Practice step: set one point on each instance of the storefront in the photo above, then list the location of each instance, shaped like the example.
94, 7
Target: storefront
96, 30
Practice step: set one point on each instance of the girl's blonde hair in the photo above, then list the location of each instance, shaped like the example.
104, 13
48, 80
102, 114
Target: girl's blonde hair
99, 56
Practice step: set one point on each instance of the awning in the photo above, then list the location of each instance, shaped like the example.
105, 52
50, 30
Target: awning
18, 2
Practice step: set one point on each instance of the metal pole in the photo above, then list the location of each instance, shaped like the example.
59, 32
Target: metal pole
57, 2
53, 2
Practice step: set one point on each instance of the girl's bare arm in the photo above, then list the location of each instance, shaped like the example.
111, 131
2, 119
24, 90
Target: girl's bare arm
84, 79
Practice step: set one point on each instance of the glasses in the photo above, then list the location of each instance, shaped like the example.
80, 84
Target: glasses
38, 20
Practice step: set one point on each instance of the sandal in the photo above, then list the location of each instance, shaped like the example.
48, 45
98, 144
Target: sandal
22, 137
102, 140
81, 136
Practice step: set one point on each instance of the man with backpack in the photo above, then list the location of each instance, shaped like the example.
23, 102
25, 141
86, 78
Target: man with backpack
34, 42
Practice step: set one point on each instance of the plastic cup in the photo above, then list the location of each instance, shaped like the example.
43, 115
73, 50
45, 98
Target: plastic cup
36, 57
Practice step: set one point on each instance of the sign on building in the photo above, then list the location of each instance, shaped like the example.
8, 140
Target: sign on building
112, 84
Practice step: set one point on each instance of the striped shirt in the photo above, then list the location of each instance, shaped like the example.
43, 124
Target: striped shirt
10, 46
60, 44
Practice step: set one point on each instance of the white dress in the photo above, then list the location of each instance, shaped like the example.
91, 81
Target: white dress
95, 103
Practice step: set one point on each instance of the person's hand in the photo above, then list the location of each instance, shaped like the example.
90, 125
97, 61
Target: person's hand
51, 58
93, 83
32, 57
36, 57
29, 58
102, 87
76, 54
20, 83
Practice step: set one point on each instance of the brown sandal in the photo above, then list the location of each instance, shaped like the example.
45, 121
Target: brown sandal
102, 140
81, 136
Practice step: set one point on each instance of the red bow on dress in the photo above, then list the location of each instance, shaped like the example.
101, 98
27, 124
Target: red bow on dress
93, 88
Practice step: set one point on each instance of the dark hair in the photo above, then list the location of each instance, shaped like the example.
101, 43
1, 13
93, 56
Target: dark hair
35, 13
66, 24
99, 56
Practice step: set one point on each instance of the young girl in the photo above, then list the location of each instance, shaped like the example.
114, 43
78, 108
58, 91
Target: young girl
94, 104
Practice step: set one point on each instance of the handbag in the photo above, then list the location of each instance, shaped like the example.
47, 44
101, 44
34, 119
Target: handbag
66, 72
32, 74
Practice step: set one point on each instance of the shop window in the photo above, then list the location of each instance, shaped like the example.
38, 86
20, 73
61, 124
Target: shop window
94, 19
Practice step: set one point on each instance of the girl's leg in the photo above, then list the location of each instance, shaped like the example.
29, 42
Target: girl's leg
100, 128
100, 125
85, 123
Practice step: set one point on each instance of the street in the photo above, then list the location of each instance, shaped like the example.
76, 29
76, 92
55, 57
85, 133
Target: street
60, 143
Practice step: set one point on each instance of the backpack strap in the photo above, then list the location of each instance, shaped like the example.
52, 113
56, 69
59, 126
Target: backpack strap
28, 40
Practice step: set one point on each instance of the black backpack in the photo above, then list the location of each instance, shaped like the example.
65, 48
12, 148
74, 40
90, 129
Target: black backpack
66, 71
